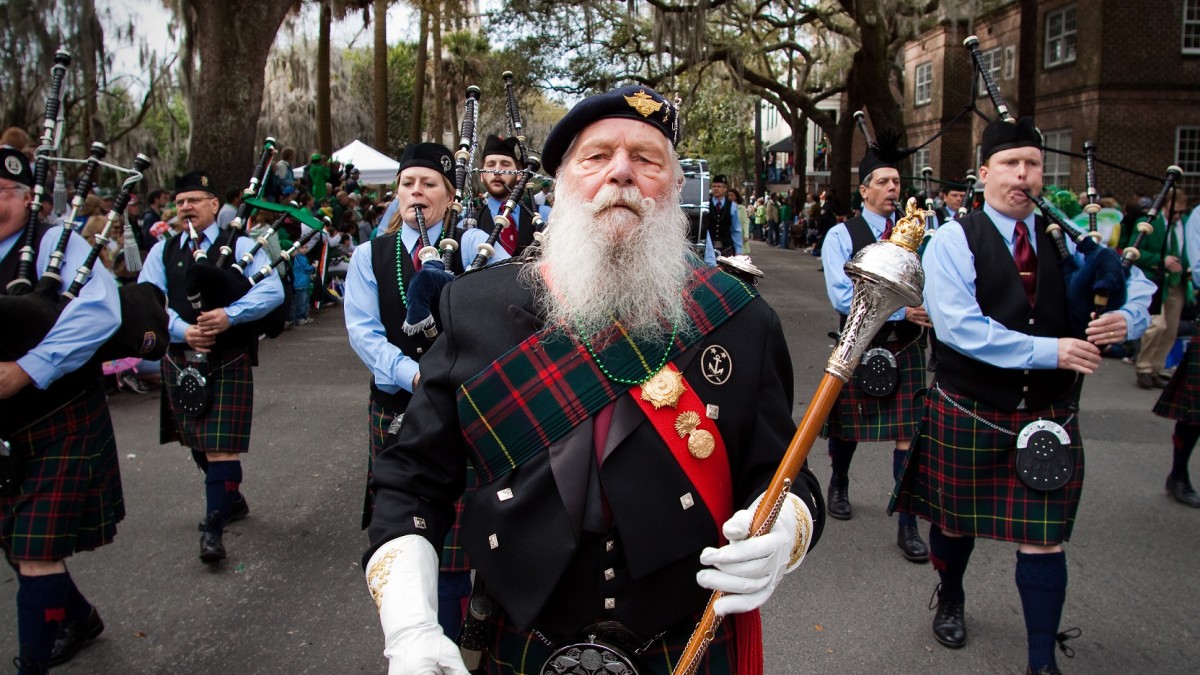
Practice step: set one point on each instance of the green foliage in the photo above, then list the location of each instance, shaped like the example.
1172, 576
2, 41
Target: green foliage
401, 64
718, 124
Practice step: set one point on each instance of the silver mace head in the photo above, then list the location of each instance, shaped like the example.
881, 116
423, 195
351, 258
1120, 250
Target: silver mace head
887, 275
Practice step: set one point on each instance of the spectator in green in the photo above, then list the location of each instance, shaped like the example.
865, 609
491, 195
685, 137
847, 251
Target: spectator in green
318, 177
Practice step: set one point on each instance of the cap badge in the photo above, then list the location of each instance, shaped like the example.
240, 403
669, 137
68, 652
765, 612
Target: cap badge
12, 165
446, 163
644, 103
204, 181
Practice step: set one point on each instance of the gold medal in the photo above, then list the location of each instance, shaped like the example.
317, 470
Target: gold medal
701, 444
664, 388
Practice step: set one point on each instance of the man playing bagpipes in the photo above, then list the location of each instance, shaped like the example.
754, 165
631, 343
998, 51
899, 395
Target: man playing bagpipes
208, 384
501, 155
622, 406
60, 483
998, 451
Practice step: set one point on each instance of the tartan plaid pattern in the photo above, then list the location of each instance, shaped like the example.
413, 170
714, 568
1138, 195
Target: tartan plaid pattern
514, 652
859, 417
71, 499
454, 555
959, 474
1180, 400
225, 426
541, 389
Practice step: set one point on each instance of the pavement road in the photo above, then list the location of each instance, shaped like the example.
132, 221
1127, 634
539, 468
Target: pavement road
291, 596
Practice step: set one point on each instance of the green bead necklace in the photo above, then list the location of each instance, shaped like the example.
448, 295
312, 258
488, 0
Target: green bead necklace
649, 372
399, 269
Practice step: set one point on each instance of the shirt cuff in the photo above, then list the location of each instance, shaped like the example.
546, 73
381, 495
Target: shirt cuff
407, 371
1045, 353
42, 372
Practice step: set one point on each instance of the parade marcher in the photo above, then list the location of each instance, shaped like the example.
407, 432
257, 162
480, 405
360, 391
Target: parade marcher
1164, 259
217, 348
1006, 368
952, 199
499, 154
376, 304
724, 233
587, 395
59, 443
157, 202
877, 404
1180, 400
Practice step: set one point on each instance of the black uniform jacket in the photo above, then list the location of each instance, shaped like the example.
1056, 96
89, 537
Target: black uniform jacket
532, 547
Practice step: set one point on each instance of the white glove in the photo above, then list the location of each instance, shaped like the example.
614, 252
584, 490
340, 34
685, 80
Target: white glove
748, 569
402, 576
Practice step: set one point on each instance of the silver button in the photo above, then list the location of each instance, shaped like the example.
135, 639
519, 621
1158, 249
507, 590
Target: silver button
1031, 321
687, 501
419, 522
493, 541
610, 574
505, 494
610, 603
712, 412
420, 350
609, 545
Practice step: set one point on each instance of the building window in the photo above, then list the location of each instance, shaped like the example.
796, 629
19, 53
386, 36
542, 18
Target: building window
1187, 156
1010, 62
1060, 36
1191, 26
920, 161
1057, 167
923, 84
991, 62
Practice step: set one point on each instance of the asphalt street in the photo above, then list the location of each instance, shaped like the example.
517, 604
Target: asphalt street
291, 596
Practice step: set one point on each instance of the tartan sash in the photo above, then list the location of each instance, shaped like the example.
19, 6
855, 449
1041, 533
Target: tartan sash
539, 390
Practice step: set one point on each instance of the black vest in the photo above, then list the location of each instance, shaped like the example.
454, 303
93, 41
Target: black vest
1001, 297
393, 310
485, 221
721, 219
904, 332
31, 403
176, 261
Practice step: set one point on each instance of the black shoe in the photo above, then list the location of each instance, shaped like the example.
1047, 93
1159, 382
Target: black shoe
949, 622
838, 503
1161, 381
1044, 670
908, 538
73, 635
1145, 380
238, 511
212, 549
1182, 492
28, 668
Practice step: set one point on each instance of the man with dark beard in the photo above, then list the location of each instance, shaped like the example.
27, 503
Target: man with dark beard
499, 154
619, 402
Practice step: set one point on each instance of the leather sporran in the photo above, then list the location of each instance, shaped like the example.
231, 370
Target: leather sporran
1043, 459
878, 373
194, 395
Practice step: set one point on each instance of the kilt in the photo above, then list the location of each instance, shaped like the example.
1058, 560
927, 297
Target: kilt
225, 426
514, 652
857, 416
454, 556
959, 475
1180, 399
71, 498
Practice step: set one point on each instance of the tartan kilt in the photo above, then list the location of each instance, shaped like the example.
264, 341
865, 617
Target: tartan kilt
71, 498
856, 416
1180, 399
454, 556
959, 475
225, 426
514, 652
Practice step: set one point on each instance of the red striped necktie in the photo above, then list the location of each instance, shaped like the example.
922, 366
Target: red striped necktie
1026, 260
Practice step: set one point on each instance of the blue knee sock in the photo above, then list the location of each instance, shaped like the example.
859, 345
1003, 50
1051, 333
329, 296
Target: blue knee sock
898, 455
221, 488
41, 608
840, 454
1042, 581
78, 607
950, 556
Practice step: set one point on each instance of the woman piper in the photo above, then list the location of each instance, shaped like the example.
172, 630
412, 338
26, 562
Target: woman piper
376, 304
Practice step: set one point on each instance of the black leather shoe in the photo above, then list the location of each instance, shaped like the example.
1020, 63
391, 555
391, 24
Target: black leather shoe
28, 668
212, 549
838, 504
239, 511
1182, 492
1044, 670
908, 538
73, 635
949, 622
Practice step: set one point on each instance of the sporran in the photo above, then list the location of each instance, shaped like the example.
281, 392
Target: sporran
1043, 459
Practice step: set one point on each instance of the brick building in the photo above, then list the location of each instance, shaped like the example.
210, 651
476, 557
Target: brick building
1125, 75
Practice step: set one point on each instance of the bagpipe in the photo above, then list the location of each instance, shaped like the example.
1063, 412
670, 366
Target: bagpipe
291, 210
31, 305
1132, 252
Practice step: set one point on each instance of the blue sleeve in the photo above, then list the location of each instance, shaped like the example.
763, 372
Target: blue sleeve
710, 255
471, 239
735, 225
1191, 235
263, 297
84, 324
154, 273
390, 367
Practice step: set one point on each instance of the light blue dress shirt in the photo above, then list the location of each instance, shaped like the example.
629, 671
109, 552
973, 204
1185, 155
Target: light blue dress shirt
1191, 237
391, 368
85, 323
834, 254
960, 323
710, 254
255, 304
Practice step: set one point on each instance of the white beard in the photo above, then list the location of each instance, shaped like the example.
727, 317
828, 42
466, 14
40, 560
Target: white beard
618, 257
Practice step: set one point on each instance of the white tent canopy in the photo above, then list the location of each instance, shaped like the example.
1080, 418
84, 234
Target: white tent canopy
375, 168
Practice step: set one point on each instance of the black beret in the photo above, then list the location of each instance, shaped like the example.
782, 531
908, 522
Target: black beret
1001, 135
15, 166
635, 102
430, 156
196, 181
494, 145
720, 178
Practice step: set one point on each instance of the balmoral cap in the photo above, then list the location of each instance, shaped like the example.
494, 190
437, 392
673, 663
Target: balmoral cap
635, 102
196, 181
429, 156
15, 166
1001, 135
